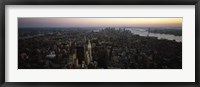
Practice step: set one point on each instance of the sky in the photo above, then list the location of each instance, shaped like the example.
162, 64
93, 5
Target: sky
99, 22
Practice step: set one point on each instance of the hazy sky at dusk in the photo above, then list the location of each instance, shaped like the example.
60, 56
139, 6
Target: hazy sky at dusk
99, 22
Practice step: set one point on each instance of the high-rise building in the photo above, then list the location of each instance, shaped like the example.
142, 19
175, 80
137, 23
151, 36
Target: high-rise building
88, 51
72, 54
76, 63
80, 54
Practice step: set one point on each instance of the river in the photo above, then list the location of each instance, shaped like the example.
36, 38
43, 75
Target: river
144, 32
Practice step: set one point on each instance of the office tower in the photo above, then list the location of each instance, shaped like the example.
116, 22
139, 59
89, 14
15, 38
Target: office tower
88, 51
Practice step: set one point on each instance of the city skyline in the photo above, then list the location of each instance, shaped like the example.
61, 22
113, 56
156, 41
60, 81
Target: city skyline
99, 22
99, 43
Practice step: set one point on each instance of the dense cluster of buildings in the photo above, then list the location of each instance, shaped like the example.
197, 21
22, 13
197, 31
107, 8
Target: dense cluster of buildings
107, 48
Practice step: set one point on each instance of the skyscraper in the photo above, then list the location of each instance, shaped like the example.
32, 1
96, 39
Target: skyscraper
88, 51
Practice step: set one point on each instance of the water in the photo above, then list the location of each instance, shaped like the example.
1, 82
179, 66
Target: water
144, 32
137, 31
